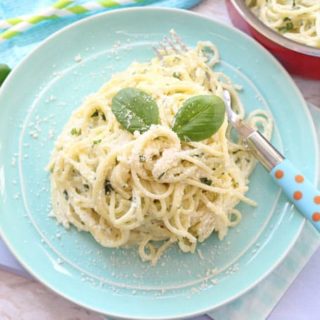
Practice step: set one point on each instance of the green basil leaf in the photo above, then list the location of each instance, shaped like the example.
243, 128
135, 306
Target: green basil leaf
199, 118
135, 109
4, 72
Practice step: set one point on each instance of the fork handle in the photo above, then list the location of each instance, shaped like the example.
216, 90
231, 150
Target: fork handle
299, 190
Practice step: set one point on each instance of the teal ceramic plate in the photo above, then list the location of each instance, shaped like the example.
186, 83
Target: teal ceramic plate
36, 102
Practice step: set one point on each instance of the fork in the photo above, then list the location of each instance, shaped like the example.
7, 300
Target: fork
301, 192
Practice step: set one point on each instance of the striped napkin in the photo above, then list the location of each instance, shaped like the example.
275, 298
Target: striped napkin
12, 51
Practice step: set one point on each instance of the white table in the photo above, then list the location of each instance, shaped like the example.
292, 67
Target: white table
22, 299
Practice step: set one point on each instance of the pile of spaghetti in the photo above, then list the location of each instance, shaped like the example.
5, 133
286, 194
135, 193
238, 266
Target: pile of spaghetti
151, 189
298, 20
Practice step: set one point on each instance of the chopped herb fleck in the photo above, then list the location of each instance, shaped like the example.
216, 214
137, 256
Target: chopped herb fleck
287, 27
107, 186
97, 141
206, 181
76, 132
161, 175
95, 114
198, 155
177, 75
66, 195
86, 186
142, 158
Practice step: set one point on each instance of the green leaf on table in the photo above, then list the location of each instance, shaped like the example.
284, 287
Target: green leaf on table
4, 72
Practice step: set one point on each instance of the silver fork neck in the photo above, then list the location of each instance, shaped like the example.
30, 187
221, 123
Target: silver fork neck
267, 154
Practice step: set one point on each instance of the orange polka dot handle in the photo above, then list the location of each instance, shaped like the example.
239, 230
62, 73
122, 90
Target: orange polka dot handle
300, 191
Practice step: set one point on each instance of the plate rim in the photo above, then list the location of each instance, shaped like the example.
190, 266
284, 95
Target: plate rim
303, 106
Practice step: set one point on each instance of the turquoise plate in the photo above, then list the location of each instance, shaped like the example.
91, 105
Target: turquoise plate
37, 100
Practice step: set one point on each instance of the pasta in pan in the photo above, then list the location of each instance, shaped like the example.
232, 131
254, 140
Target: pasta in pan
151, 189
298, 20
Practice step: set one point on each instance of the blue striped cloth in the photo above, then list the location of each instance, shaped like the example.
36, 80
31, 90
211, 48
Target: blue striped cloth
11, 52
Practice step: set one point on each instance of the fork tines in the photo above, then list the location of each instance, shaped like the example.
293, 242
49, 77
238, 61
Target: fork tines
169, 44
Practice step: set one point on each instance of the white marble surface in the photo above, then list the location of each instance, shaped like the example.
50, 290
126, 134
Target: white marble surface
22, 299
